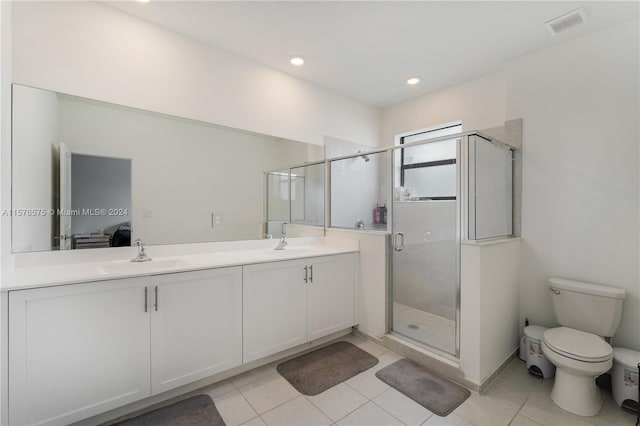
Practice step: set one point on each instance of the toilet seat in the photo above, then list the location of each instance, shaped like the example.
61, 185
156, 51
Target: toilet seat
577, 345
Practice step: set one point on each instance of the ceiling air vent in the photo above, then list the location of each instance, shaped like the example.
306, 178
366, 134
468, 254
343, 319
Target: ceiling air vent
566, 21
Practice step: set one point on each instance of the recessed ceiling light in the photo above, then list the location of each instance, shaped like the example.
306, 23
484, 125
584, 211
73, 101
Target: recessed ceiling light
297, 61
413, 80
143, 1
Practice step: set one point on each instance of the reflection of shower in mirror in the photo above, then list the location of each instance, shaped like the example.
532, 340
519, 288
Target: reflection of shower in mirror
365, 157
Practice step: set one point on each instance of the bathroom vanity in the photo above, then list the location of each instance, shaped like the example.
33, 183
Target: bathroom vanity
82, 341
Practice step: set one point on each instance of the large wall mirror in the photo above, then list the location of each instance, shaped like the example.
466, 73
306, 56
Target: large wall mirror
89, 174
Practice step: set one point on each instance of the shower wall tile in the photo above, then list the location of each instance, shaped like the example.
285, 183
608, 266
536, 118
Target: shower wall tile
356, 185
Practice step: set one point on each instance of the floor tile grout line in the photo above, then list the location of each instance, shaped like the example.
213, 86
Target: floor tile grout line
431, 413
520, 409
278, 406
461, 415
370, 399
382, 408
356, 390
254, 408
299, 395
336, 421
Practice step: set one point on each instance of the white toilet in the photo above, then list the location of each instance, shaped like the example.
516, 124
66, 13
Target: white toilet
587, 314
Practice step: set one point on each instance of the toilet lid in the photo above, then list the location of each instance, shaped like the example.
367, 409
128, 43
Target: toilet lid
577, 344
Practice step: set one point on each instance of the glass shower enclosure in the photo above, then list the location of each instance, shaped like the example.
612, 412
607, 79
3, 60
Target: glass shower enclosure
438, 191
426, 243
445, 191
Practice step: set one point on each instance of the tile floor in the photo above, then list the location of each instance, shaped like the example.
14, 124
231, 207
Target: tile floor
424, 327
263, 397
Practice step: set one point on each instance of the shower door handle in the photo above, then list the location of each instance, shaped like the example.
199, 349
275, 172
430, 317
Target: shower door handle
398, 246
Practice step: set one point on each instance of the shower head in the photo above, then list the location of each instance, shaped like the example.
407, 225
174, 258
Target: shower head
365, 157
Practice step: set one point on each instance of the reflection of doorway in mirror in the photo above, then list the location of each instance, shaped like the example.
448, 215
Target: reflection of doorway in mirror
95, 201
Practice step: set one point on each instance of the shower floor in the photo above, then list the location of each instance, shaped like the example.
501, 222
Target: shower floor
430, 329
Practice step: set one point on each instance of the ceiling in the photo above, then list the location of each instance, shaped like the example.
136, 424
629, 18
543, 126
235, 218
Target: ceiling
367, 50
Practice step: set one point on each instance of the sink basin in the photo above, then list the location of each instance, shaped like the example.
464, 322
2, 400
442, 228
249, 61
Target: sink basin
126, 267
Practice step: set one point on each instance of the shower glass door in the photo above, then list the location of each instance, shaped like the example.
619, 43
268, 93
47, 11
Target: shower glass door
426, 244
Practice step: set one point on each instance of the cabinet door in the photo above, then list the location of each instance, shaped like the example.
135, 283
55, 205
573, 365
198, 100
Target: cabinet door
275, 308
77, 350
196, 325
331, 295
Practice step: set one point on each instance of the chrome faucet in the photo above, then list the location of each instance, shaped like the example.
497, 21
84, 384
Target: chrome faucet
142, 255
283, 240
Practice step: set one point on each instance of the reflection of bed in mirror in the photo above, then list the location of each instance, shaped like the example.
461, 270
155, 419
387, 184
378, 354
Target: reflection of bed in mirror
115, 236
189, 181
121, 236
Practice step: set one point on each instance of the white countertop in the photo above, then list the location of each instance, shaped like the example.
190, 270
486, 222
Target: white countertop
49, 273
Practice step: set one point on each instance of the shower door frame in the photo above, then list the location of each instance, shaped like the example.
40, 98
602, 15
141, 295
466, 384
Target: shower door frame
461, 158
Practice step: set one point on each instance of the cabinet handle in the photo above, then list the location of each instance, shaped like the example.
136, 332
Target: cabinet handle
311, 273
146, 299
306, 274
156, 304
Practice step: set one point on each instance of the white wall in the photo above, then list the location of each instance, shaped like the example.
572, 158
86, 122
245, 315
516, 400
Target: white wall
580, 216
580, 106
479, 103
371, 287
37, 111
91, 50
489, 306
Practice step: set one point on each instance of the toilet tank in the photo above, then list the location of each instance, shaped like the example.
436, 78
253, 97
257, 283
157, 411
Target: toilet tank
588, 307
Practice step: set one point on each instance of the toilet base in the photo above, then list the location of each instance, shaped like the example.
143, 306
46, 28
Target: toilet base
576, 394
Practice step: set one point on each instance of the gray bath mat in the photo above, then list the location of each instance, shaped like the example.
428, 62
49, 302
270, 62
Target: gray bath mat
195, 411
317, 371
436, 394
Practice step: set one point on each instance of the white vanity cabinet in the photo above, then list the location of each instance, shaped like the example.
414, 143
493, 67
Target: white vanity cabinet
77, 350
331, 295
293, 302
196, 325
274, 308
